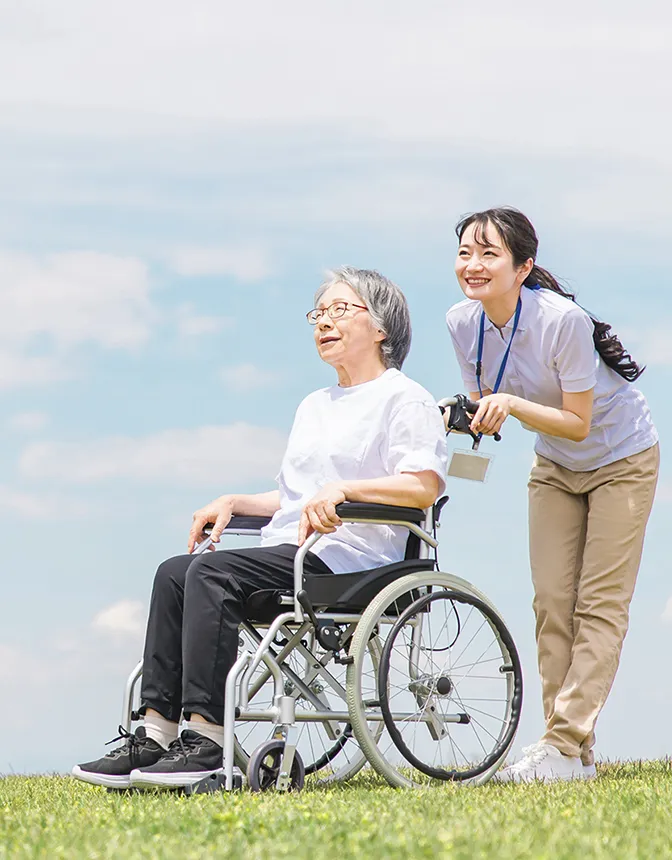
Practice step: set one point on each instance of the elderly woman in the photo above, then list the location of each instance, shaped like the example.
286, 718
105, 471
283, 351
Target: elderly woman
376, 436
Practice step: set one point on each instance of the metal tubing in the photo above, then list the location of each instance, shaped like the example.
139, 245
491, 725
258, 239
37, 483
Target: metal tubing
230, 716
202, 546
412, 527
284, 780
428, 525
279, 657
127, 706
345, 617
300, 683
262, 649
414, 655
271, 716
272, 666
298, 572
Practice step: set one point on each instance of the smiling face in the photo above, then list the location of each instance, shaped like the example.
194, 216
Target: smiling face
484, 266
351, 338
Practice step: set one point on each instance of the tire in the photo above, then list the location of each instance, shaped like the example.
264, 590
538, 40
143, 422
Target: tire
331, 759
413, 599
263, 767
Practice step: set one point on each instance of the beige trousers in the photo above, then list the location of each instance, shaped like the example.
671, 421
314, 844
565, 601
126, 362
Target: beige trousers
586, 536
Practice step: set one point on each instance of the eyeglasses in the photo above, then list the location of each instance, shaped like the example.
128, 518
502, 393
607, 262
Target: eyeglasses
335, 311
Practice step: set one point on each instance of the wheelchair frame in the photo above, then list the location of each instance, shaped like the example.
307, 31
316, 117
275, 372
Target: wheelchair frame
298, 621
283, 713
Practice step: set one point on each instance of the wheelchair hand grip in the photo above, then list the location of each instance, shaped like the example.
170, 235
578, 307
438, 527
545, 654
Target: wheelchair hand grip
461, 411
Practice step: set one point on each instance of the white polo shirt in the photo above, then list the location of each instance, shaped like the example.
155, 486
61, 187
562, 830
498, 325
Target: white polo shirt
553, 351
383, 427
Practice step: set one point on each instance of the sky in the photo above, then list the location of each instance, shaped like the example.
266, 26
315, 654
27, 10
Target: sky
176, 177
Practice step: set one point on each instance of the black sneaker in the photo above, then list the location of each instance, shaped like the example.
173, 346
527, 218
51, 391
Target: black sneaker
114, 769
188, 759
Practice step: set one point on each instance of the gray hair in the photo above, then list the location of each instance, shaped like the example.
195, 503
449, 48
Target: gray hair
386, 304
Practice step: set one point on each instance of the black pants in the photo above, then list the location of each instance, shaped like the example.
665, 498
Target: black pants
192, 634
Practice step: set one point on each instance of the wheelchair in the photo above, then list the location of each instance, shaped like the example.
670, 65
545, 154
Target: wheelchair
404, 668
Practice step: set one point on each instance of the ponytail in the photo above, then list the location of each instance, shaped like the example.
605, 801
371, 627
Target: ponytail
520, 238
608, 345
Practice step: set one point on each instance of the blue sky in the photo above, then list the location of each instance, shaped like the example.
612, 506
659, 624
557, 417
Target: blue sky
171, 192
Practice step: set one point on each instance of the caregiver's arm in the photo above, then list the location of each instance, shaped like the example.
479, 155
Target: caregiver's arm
220, 511
409, 489
572, 421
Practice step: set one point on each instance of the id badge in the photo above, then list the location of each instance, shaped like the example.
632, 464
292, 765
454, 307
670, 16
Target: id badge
470, 465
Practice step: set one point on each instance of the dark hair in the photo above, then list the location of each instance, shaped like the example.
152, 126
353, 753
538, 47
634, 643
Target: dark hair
519, 236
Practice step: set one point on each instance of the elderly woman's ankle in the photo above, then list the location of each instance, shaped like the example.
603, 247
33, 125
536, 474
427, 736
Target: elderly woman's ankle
213, 731
160, 729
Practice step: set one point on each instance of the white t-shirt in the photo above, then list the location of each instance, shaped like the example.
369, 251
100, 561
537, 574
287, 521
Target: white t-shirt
383, 427
553, 351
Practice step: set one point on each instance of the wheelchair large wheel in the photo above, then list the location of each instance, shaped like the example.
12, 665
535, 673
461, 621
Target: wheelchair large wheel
329, 750
449, 686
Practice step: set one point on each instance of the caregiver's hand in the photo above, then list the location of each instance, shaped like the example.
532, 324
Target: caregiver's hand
493, 410
218, 512
319, 515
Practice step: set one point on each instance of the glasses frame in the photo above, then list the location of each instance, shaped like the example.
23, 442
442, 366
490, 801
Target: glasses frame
331, 313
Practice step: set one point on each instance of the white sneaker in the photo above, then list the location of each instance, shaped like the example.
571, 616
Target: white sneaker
589, 771
545, 763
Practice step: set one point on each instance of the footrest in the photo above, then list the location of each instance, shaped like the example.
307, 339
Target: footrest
215, 782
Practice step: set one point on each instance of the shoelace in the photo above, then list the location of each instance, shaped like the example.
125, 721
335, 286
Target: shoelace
131, 742
533, 755
182, 746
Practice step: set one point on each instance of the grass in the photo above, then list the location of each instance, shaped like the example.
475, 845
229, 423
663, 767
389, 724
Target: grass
625, 813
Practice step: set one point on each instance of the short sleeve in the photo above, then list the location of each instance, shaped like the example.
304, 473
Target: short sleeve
467, 367
416, 441
293, 440
574, 353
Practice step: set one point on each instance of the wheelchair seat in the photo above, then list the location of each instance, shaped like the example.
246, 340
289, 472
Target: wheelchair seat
335, 592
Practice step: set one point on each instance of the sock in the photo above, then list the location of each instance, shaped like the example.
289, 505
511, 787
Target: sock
208, 730
160, 730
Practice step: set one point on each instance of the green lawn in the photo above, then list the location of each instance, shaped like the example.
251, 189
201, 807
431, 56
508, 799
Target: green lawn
626, 812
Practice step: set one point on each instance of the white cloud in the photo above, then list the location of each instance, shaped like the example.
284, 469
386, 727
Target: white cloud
73, 298
28, 422
15, 664
201, 456
51, 306
191, 324
125, 618
624, 198
651, 346
664, 492
577, 74
667, 612
242, 264
40, 505
18, 369
246, 377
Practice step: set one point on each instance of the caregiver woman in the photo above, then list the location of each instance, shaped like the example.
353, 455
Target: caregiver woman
526, 349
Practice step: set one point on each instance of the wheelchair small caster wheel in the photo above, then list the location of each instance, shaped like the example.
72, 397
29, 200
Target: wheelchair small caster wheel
263, 768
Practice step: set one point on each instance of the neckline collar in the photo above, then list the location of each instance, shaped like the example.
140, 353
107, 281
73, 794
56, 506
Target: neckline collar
526, 295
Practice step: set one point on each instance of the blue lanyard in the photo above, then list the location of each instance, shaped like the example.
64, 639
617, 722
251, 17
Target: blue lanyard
479, 358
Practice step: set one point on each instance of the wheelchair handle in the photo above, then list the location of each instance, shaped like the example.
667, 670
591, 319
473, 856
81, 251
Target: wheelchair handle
460, 409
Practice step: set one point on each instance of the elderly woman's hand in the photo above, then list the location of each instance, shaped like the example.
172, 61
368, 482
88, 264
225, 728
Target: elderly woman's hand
218, 512
319, 515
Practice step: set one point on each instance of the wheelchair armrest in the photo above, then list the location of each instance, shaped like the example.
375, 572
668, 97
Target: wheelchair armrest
387, 513
242, 524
